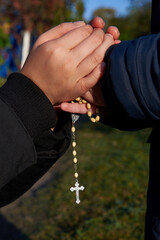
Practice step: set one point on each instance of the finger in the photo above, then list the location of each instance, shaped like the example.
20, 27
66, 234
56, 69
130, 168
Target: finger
90, 62
84, 84
97, 22
58, 31
117, 41
75, 36
114, 32
95, 96
74, 108
86, 47
77, 108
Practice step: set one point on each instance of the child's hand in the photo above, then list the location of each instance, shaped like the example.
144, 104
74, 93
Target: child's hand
67, 65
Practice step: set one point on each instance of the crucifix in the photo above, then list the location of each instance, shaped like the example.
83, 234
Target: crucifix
77, 189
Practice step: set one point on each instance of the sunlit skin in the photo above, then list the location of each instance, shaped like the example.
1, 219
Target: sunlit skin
73, 56
72, 60
94, 95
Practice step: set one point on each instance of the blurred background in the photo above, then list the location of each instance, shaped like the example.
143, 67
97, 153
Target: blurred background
113, 165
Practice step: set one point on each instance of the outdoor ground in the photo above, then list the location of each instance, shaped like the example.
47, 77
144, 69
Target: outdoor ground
113, 167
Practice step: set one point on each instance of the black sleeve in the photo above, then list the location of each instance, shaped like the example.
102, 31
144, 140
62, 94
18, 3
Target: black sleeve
155, 26
28, 146
131, 83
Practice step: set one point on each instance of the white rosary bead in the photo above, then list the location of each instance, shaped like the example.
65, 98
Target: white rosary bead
74, 144
75, 160
89, 113
74, 153
88, 105
76, 175
73, 129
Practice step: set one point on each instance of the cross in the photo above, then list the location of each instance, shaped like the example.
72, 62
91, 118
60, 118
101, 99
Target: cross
77, 188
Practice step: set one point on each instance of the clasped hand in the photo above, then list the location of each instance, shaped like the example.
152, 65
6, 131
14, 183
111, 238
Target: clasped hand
68, 61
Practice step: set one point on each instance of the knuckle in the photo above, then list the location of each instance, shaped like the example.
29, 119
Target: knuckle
40, 40
83, 86
94, 76
67, 68
97, 58
61, 26
45, 48
109, 37
87, 30
98, 36
50, 50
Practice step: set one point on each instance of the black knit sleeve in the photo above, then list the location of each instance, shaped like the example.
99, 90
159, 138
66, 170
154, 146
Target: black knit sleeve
29, 103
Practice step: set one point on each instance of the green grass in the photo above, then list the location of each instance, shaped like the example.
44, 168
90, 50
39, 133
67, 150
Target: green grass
113, 167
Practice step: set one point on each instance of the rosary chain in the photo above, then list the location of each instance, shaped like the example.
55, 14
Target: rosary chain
74, 150
93, 118
75, 117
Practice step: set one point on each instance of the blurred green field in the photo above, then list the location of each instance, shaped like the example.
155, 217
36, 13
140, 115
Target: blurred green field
113, 167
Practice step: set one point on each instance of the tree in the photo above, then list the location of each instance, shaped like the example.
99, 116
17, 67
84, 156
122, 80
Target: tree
41, 14
140, 18
106, 13
37, 16
136, 23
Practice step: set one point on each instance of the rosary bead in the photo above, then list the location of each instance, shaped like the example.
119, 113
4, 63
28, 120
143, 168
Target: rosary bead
97, 118
78, 99
76, 175
74, 153
88, 105
93, 120
73, 144
73, 129
89, 114
75, 160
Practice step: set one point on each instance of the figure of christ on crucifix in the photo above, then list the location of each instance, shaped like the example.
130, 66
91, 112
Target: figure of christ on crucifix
77, 189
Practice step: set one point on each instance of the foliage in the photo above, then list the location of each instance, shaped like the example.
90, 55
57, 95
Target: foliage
4, 39
106, 13
135, 24
40, 15
113, 167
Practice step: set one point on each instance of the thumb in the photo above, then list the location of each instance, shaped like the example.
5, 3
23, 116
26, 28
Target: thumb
57, 32
91, 79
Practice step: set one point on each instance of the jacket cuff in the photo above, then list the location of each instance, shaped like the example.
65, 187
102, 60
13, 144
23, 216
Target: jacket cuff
29, 103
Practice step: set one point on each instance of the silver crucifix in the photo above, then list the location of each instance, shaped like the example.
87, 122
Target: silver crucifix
77, 189
75, 117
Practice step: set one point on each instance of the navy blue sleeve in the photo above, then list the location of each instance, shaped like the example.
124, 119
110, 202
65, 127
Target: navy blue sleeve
131, 83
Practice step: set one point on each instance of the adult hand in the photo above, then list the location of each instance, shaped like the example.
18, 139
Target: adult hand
67, 65
98, 22
94, 95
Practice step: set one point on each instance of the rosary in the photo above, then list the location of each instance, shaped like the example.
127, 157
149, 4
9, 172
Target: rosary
75, 117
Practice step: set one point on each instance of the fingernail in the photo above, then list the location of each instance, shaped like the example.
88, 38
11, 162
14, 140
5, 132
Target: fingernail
102, 67
79, 23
